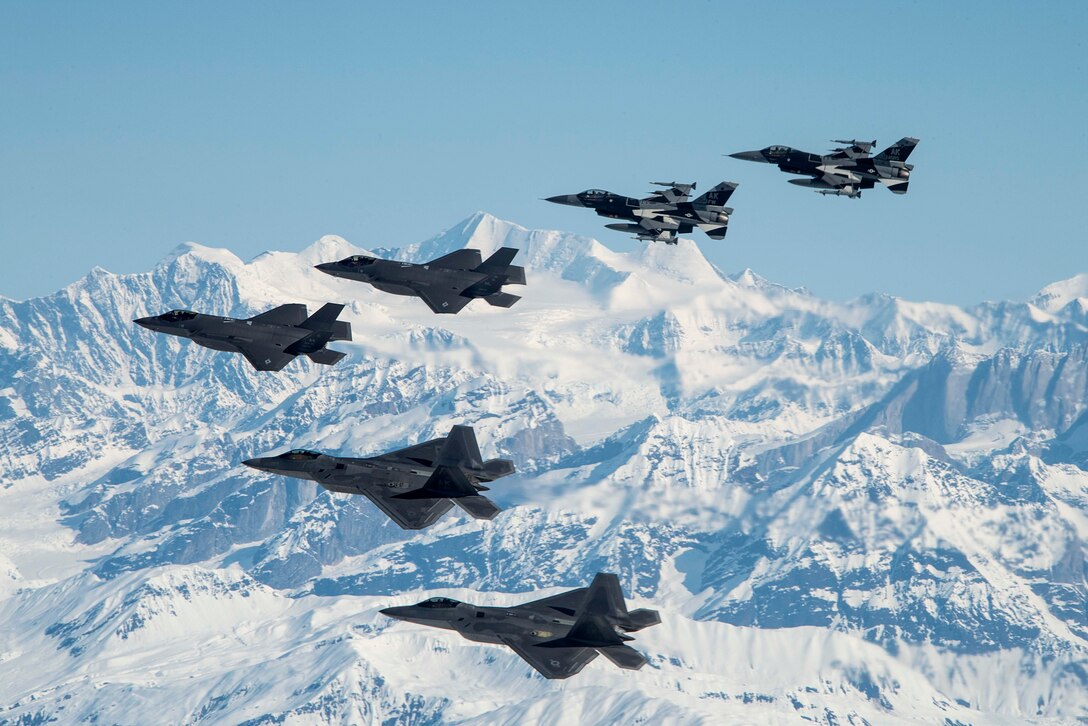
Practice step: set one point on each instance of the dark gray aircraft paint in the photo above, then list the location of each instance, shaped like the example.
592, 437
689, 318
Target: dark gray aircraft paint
446, 284
557, 636
413, 486
663, 215
845, 171
269, 341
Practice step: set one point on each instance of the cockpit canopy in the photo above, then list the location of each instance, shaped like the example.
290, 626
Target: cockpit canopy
301, 455
175, 316
594, 193
357, 261
439, 602
777, 150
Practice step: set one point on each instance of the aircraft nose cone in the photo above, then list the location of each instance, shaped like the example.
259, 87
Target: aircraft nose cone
257, 463
399, 613
145, 322
568, 199
326, 266
748, 156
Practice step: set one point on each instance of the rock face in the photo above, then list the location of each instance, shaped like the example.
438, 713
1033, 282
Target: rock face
872, 511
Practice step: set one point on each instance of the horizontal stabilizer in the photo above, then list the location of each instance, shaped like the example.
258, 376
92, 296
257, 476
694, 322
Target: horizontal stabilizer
324, 318
341, 330
714, 231
641, 618
499, 261
326, 357
588, 632
479, 507
502, 299
623, 656
458, 260
515, 275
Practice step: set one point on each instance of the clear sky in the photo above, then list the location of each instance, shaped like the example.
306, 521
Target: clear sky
127, 128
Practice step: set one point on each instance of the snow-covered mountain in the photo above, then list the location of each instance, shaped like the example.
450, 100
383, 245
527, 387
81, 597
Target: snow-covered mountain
863, 512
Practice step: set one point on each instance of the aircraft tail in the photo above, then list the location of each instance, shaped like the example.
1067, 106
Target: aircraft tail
718, 196
447, 482
478, 507
326, 357
460, 449
502, 299
899, 151
623, 656
499, 262
325, 320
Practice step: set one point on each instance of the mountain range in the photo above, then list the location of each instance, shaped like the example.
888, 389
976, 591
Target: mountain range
871, 511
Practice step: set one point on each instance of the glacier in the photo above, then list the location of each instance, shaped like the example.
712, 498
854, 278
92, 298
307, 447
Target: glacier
872, 511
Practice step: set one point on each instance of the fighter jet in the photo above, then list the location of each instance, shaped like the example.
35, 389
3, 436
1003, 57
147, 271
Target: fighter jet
664, 214
413, 486
446, 284
269, 341
557, 635
847, 170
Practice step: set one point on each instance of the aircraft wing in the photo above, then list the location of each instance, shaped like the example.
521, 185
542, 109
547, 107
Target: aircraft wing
838, 178
265, 357
565, 602
410, 513
550, 662
291, 314
458, 260
424, 453
443, 300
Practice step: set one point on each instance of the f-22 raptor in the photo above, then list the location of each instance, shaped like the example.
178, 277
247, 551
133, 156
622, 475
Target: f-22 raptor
557, 635
847, 170
664, 214
413, 486
446, 284
269, 341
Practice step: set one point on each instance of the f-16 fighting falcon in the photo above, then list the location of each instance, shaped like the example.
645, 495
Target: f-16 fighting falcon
847, 170
662, 215
557, 636
269, 341
446, 284
413, 486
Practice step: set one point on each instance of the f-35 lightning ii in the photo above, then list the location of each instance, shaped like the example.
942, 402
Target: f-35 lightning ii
557, 636
446, 284
269, 341
413, 486
847, 170
664, 214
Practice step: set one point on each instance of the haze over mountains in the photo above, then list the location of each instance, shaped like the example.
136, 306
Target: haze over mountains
873, 511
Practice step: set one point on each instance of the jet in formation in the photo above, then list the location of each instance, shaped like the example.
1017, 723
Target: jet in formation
557, 635
269, 341
413, 486
847, 170
664, 214
446, 284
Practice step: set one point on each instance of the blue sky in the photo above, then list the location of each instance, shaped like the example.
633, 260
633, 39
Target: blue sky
131, 127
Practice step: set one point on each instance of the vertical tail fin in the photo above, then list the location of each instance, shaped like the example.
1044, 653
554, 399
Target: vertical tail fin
325, 318
717, 196
460, 449
499, 261
899, 151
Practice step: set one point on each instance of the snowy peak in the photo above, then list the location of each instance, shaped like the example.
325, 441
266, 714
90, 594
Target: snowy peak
1058, 295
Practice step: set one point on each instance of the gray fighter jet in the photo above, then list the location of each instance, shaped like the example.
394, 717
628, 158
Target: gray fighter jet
662, 215
847, 170
446, 284
557, 636
413, 486
269, 341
